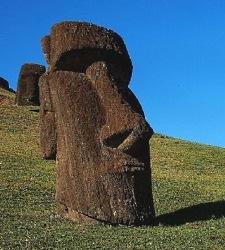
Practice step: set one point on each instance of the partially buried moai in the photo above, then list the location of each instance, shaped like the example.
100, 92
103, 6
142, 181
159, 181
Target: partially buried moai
103, 159
27, 89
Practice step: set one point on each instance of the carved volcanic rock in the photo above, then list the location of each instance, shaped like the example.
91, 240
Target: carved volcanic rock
103, 161
27, 89
47, 121
4, 84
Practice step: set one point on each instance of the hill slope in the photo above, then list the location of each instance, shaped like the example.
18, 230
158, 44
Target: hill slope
6, 97
188, 185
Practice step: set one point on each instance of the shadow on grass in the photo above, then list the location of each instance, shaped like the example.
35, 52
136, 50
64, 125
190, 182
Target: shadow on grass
35, 110
200, 212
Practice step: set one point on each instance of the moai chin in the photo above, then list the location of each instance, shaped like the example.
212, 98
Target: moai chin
27, 89
103, 161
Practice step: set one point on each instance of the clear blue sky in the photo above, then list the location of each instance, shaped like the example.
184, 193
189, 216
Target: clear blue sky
177, 49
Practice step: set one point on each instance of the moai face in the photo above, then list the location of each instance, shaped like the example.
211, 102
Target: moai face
103, 158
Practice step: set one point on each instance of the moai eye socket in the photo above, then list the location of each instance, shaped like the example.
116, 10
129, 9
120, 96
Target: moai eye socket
78, 60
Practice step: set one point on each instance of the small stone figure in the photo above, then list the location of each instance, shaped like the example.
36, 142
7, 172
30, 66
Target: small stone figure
27, 89
103, 157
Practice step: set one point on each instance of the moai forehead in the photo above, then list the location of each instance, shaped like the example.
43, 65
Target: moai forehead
74, 46
32, 68
30, 73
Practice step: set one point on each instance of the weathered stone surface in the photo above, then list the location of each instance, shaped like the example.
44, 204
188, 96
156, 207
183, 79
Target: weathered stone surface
103, 161
27, 89
47, 120
4, 84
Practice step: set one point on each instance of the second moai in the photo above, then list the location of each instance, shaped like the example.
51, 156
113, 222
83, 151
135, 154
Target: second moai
27, 88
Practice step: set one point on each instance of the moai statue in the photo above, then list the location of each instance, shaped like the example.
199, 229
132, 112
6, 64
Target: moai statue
4, 84
103, 159
27, 89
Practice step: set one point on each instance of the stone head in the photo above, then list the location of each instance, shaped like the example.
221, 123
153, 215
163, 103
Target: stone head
102, 135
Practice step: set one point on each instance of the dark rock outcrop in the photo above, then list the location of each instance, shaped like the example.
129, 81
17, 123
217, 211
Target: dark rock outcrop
27, 89
4, 84
103, 161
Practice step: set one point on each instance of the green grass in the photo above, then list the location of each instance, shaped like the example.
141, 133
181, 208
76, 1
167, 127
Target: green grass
7, 93
188, 186
6, 97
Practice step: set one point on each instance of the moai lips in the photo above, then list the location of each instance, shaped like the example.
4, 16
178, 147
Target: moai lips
27, 89
103, 162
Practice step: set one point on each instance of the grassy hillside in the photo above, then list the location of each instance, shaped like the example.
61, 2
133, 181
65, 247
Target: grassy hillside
6, 97
188, 184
